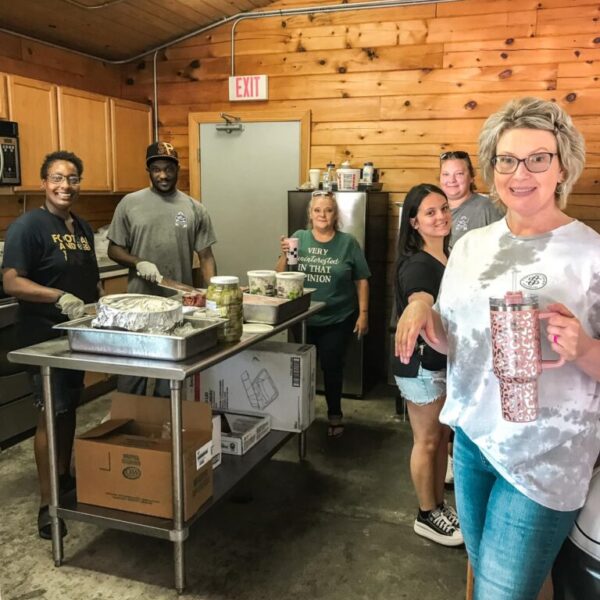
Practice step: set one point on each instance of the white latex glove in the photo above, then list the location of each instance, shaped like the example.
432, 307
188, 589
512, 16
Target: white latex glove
148, 271
71, 305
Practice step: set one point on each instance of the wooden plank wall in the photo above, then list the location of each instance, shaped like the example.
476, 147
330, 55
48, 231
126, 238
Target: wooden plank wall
397, 85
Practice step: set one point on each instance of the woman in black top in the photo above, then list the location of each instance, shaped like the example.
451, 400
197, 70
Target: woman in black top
421, 259
50, 267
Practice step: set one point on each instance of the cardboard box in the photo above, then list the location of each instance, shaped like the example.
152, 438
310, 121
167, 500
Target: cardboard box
270, 378
216, 441
125, 463
239, 432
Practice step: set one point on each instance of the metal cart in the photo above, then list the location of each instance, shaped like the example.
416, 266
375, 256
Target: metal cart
56, 354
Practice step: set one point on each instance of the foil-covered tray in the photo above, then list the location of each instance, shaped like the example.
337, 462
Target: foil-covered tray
138, 312
265, 309
199, 335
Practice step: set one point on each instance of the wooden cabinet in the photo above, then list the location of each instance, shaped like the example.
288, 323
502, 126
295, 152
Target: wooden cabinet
32, 104
110, 135
84, 128
3, 97
131, 134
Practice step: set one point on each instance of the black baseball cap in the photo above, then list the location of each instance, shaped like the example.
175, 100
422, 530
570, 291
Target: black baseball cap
161, 150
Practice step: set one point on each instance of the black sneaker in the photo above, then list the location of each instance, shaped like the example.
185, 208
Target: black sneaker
437, 528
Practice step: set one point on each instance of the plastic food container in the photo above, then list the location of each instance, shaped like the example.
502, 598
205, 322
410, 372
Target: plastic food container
347, 179
290, 285
262, 282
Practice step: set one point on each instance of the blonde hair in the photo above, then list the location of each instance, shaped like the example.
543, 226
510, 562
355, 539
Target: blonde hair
534, 113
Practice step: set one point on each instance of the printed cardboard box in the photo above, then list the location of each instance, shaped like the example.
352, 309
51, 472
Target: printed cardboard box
240, 432
216, 441
270, 378
125, 462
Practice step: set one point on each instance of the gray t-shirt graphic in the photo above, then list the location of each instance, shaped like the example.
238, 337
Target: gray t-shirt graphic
549, 460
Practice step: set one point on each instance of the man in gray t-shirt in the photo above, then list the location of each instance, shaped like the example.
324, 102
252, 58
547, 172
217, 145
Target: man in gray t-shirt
155, 231
469, 209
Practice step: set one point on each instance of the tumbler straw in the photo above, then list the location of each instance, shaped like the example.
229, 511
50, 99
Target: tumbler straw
515, 296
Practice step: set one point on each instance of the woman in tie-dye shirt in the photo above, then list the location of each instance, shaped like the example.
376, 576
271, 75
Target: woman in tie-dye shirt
519, 486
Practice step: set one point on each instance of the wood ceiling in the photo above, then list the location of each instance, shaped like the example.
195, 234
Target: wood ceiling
121, 30
118, 29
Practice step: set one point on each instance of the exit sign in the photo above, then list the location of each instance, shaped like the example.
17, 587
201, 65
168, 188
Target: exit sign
248, 87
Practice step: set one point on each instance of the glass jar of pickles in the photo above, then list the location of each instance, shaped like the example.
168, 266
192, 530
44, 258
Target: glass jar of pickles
224, 297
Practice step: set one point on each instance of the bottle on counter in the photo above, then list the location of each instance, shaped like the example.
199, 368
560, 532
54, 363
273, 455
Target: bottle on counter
225, 297
367, 173
329, 177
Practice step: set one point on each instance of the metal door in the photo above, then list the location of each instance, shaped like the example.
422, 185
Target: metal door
244, 179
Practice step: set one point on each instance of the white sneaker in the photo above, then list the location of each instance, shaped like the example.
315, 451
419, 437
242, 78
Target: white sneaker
449, 472
438, 528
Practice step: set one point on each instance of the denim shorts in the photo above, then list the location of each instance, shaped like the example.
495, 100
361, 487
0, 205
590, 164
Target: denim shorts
425, 388
67, 386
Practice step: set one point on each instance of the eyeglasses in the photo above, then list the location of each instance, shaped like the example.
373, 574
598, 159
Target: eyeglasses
318, 193
534, 163
460, 154
58, 178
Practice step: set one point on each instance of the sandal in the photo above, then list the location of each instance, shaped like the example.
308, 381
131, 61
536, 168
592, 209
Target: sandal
335, 429
44, 522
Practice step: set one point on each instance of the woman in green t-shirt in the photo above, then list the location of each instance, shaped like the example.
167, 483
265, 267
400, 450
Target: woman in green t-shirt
335, 265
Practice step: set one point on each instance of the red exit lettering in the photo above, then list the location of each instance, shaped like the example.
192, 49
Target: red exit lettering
247, 87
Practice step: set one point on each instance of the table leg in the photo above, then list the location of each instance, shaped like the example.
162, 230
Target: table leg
57, 545
302, 436
303, 332
177, 471
302, 445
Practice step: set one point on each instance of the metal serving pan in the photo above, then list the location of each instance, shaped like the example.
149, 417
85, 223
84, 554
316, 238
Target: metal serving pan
84, 338
265, 309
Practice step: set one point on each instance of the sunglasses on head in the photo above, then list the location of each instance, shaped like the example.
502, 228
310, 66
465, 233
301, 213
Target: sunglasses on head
460, 154
318, 193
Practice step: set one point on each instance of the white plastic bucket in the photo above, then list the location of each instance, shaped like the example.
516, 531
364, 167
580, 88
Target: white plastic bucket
347, 179
290, 284
262, 282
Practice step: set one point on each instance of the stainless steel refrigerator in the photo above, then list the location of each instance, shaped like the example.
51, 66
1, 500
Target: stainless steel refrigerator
364, 215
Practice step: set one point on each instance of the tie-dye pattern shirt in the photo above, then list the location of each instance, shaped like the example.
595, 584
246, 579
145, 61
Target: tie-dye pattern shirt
549, 460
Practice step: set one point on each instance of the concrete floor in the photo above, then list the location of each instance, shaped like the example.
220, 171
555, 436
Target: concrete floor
338, 526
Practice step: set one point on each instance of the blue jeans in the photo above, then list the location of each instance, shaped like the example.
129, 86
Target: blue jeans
511, 540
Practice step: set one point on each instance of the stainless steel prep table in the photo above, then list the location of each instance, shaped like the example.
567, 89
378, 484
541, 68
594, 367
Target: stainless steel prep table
56, 354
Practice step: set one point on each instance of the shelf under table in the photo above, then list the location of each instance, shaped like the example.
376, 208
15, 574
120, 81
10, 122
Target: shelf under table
225, 477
